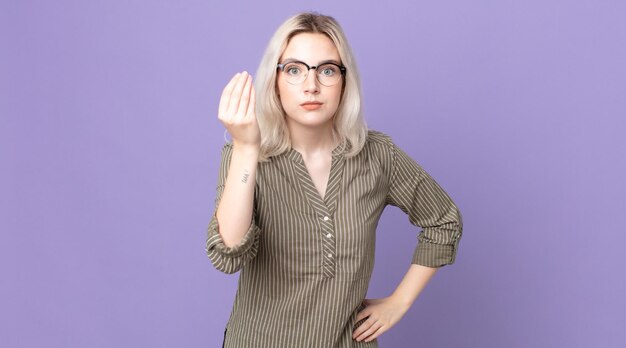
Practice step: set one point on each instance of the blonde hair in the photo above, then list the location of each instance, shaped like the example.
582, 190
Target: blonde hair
348, 122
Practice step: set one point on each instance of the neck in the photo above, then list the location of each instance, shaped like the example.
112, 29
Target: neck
309, 141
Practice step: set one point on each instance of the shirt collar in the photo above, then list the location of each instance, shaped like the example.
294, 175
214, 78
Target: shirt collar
338, 151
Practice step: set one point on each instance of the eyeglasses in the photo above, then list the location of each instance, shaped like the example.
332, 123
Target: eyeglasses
328, 74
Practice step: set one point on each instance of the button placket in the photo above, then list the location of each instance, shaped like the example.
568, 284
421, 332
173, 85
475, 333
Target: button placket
328, 246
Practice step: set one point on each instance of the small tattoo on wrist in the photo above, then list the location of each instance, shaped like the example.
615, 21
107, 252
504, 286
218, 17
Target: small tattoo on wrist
245, 177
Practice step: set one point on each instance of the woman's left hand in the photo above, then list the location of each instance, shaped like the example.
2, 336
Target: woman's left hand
381, 314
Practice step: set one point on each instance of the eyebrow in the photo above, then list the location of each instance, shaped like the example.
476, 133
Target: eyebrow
291, 60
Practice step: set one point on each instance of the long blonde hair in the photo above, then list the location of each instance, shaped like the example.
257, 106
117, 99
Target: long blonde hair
348, 122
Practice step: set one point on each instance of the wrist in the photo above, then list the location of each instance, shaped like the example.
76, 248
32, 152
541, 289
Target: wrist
403, 300
246, 149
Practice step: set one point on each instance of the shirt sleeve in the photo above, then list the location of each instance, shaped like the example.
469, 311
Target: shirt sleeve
229, 259
428, 206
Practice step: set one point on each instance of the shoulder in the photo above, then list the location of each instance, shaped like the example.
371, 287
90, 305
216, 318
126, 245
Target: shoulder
379, 149
377, 137
228, 146
378, 143
227, 149
226, 154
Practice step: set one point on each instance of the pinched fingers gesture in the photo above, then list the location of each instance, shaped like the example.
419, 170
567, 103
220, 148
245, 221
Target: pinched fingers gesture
236, 111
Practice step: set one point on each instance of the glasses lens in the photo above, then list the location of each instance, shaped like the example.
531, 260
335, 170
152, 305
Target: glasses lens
328, 74
295, 72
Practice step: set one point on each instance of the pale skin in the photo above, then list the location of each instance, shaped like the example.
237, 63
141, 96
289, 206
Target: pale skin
310, 132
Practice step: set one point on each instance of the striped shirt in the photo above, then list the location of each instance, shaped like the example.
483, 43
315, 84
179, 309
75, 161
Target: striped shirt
306, 261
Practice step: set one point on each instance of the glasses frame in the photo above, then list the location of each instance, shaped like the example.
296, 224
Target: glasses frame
342, 70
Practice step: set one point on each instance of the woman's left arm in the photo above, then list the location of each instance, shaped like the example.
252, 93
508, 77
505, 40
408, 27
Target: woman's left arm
384, 313
429, 207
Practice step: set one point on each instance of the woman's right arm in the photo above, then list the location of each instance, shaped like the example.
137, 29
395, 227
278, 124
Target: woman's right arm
232, 230
235, 208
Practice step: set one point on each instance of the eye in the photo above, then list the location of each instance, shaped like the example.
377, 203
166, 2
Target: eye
293, 69
328, 70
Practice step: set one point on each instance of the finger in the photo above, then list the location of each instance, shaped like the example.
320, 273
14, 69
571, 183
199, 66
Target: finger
362, 328
375, 334
225, 98
245, 98
373, 328
252, 104
236, 94
366, 312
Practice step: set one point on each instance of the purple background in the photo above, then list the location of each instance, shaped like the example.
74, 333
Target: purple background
110, 145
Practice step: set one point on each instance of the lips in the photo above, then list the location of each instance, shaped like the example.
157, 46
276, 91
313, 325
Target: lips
312, 105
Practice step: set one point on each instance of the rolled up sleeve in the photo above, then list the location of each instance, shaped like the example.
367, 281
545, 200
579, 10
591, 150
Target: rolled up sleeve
229, 259
428, 206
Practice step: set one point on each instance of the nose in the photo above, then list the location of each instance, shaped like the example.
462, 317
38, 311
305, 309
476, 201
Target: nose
311, 84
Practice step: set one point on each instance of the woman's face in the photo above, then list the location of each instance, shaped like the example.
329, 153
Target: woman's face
310, 103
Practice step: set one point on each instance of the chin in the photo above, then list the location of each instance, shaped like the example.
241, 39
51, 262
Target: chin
312, 120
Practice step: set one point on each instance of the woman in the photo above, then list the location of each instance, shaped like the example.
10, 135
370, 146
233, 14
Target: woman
301, 188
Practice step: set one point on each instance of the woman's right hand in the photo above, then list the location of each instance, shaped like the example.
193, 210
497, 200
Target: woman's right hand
237, 111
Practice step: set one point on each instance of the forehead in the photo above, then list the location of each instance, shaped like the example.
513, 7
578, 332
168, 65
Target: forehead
311, 48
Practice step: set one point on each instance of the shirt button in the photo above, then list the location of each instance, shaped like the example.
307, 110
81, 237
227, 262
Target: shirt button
330, 255
326, 218
329, 235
